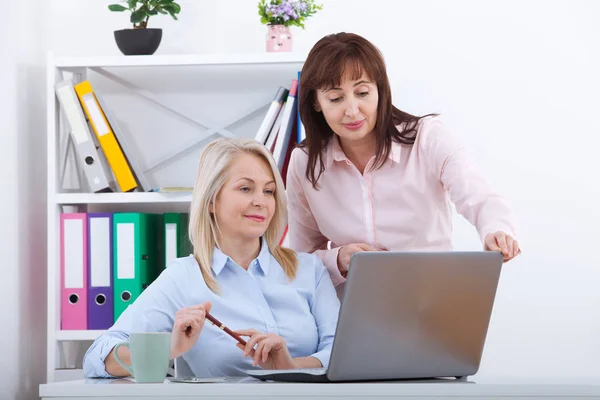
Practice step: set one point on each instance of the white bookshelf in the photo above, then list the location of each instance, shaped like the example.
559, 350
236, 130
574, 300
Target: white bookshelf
65, 200
68, 336
180, 60
121, 198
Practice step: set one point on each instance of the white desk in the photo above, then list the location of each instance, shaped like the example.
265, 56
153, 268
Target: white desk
251, 389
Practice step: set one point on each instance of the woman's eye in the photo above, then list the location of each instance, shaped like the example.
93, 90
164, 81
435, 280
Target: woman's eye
363, 94
336, 100
270, 192
245, 189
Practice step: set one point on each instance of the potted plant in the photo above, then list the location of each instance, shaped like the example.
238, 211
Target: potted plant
141, 40
279, 15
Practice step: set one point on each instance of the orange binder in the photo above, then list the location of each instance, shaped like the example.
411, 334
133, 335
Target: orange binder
106, 137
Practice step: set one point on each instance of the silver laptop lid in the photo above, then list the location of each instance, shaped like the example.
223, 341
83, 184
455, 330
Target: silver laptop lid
414, 315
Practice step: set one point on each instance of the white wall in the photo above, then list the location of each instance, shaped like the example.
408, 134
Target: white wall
518, 80
22, 203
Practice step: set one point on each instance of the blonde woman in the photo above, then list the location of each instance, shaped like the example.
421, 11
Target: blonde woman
282, 302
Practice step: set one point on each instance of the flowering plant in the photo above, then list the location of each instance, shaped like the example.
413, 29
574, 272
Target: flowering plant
286, 12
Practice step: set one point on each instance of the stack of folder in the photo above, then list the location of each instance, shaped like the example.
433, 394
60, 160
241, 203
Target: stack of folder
108, 259
107, 160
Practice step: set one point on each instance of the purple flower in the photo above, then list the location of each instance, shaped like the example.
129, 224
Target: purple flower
279, 11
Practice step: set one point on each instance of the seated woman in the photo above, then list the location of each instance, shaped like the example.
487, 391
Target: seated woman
283, 302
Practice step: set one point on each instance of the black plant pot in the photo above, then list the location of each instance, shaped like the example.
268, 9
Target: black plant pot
138, 42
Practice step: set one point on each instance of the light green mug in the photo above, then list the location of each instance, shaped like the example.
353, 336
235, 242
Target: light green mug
150, 354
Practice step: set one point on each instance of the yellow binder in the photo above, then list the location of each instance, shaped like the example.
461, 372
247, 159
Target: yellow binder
106, 137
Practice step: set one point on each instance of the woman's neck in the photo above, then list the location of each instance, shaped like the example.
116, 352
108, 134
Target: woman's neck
241, 251
359, 152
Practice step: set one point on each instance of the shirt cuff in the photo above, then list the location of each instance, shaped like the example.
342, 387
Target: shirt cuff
323, 356
330, 261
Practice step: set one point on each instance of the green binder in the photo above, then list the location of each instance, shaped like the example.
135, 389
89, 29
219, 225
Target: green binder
176, 242
136, 256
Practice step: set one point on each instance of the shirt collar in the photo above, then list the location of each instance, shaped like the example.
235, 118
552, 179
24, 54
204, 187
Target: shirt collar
220, 259
335, 152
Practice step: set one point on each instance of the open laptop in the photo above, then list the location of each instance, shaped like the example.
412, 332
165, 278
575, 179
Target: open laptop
408, 315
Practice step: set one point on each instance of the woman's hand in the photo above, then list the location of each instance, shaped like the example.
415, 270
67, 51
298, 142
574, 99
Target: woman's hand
187, 327
346, 252
504, 243
271, 351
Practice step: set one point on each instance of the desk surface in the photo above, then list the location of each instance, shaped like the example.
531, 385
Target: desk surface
250, 388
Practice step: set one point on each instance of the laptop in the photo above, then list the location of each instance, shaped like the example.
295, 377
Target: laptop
408, 315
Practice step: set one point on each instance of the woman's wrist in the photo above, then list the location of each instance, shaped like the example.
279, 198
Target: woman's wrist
307, 362
338, 258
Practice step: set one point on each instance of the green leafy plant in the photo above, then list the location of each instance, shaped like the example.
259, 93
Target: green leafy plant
287, 12
142, 10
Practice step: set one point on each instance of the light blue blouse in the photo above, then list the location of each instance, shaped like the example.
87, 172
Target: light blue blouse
303, 311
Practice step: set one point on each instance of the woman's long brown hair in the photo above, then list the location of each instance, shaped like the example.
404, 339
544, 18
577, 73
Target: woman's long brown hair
325, 67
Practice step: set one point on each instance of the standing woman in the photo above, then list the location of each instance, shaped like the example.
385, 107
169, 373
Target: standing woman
372, 177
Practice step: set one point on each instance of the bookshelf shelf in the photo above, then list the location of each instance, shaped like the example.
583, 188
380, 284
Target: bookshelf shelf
122, 198
180, 60
64, 336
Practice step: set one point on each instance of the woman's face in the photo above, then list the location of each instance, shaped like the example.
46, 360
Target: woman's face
350, 109
245, 204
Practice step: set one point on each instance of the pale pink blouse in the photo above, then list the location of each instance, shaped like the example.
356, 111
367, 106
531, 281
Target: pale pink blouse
403, 206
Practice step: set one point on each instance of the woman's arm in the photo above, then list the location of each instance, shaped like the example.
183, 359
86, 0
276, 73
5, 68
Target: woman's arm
473, 197
99, 356
324, 307
308, 362
113, 367
152, 311
304, 233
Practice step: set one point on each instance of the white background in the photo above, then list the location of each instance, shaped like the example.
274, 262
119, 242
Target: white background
517, 80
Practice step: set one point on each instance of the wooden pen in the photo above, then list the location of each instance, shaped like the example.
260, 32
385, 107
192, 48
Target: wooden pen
220, 325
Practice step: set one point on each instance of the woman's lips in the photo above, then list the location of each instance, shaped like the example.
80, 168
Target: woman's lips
355, 125
256, 218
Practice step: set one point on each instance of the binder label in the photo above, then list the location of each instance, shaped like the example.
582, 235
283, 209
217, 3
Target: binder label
73, 242
125, 251
96, 114
170, 243
100, 252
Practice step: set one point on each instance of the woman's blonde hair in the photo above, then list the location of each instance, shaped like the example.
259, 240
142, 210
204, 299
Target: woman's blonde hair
211, 175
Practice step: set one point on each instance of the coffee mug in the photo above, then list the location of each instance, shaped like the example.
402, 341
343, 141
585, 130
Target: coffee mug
150, 355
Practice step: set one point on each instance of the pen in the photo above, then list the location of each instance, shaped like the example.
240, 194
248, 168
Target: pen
219, 324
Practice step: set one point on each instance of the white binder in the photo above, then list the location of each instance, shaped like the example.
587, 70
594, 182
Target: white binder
87, 154
274, 109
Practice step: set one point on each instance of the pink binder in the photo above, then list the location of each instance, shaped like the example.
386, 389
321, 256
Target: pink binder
73, 268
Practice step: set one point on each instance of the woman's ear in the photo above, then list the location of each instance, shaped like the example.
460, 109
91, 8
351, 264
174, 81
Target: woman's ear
211, 207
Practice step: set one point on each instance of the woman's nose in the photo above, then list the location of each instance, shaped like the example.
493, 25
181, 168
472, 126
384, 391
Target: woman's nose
352, 108
258, 200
